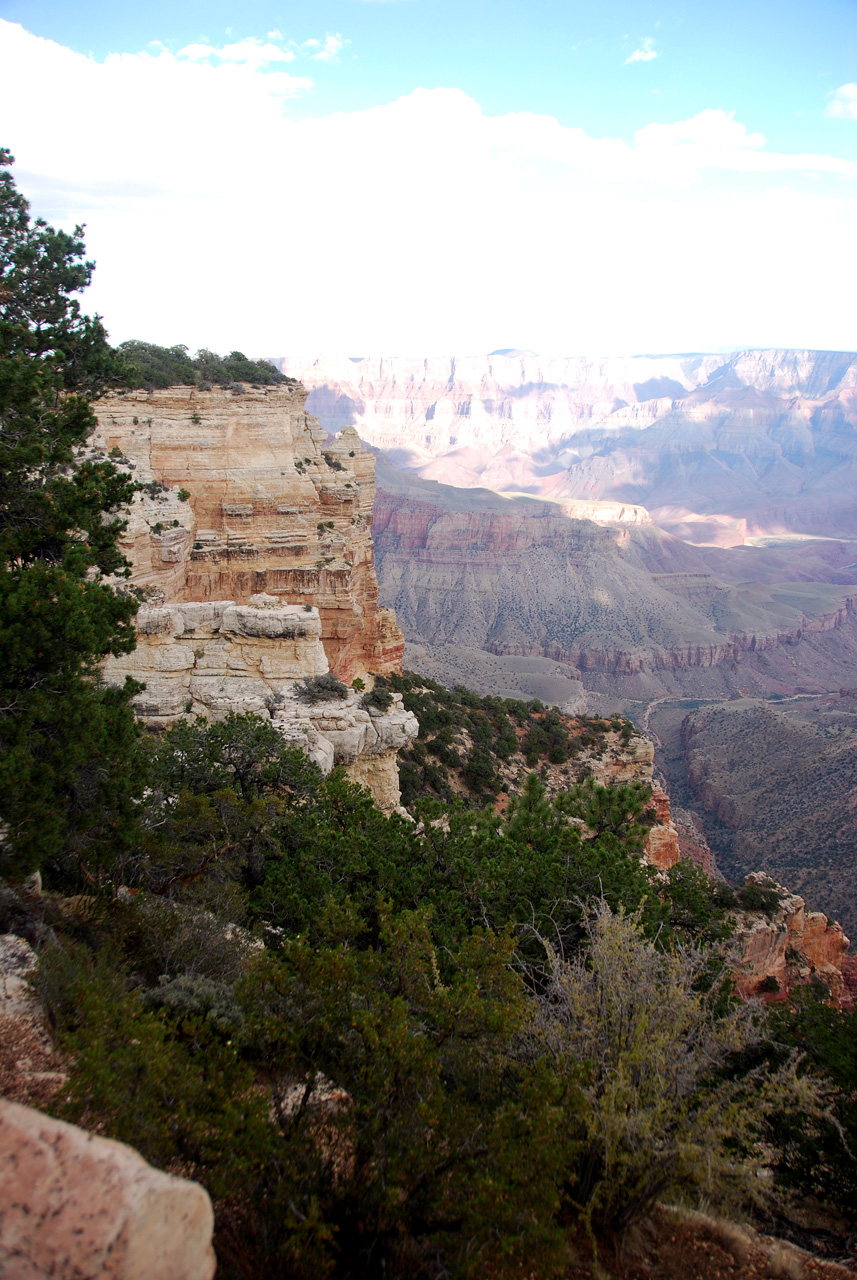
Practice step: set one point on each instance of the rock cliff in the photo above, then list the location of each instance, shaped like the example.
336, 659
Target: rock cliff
252, 545
270, 509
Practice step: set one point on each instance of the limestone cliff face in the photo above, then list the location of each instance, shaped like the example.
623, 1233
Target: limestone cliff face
253, 546
270, 511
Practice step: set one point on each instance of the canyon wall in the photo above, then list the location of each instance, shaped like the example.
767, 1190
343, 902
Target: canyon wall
252, 546
720, 449
781, 783
526, 578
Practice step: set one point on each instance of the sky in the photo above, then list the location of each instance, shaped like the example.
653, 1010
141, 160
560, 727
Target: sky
425, 177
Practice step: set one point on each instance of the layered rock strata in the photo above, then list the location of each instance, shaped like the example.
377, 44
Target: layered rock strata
210, 658
719, 448
270, 508
252, 545
526, 579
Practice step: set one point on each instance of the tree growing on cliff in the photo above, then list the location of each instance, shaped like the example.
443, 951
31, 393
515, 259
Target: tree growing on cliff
66, 744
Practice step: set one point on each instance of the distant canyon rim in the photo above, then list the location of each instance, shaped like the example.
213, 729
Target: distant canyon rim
662, 535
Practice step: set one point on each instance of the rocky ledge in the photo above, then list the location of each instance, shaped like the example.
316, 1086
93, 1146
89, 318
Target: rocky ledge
215, 657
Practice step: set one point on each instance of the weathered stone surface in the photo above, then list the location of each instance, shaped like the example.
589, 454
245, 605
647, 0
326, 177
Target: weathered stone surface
17, 960
211, 659
343, 732
75, 1205
265, 577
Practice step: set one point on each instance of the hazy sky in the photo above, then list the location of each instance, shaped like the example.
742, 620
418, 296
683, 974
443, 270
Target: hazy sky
428, 177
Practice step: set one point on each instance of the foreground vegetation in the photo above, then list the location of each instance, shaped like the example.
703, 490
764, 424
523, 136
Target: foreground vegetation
390, 1047
386, 1047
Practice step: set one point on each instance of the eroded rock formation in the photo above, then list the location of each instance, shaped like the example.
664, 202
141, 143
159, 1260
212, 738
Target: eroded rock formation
253, 546
526, 578
786, 949
719, 448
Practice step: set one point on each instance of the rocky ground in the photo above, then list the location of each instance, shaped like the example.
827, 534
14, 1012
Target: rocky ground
674, 1245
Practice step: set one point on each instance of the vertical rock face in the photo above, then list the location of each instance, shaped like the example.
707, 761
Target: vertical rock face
72, 1204
253, 546
269, 511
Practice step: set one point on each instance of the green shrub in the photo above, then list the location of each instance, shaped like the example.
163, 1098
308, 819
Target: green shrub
378, 699
323, 688
151, 366
661, 1116
756, 897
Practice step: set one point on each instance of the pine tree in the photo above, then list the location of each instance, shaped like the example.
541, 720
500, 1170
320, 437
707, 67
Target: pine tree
67, 744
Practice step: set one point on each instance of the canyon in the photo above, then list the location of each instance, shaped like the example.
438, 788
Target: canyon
254, 544
671, 537
720, 449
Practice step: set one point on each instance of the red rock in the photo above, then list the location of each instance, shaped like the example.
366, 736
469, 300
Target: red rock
792, 946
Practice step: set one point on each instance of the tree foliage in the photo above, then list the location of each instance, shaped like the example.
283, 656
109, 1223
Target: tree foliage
462, 1036
148, 365
62, 737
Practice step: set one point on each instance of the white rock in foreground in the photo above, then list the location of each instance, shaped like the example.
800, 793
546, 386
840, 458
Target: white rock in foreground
75, 1205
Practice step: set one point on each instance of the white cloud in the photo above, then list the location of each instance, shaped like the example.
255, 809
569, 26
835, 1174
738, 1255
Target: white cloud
329, 52
843, 102
423, 224
257, 54
646, 52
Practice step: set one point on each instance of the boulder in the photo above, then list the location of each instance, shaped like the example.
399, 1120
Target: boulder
74, 1206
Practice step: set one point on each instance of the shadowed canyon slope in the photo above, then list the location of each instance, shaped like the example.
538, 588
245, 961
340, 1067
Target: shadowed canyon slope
719, 449
521, 577
795, 818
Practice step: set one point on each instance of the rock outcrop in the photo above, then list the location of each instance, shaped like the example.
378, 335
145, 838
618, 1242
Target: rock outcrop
76, 1205
252, 544
270, 509
31, 1070
788, 948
